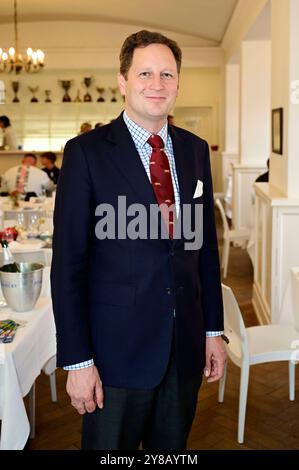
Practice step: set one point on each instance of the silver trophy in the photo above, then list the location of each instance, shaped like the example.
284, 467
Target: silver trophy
100, 90
78, 98
48, 99
33, 90
113, 92
66, 84
87, 81
15, 87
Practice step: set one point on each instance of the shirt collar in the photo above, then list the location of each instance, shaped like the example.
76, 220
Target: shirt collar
141, 135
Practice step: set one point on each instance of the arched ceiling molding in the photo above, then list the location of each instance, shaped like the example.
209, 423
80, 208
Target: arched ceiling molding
79, 32
206, 19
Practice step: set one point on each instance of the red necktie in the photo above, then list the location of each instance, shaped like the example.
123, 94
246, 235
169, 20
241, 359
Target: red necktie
21, 179
161, 181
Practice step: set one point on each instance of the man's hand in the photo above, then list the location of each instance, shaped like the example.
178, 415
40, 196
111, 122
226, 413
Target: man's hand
215, 358
85, 389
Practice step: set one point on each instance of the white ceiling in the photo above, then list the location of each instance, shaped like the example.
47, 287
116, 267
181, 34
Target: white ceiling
200, 22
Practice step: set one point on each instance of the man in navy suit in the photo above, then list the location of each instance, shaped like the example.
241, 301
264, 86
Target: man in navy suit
139, 317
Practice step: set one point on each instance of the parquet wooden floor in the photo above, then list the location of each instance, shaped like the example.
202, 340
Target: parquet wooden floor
272, 421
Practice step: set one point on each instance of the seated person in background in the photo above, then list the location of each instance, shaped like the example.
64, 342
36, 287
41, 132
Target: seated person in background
10, 139
85, 127
26, 178
98, 124
48, 161
264, 177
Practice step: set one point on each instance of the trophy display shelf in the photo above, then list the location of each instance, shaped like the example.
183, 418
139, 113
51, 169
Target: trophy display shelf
45, 116
26, 104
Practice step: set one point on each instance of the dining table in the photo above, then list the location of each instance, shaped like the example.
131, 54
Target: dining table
27, 212
21, 362
30, 251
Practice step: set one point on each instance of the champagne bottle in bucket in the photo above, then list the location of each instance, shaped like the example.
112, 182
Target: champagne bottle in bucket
8, 259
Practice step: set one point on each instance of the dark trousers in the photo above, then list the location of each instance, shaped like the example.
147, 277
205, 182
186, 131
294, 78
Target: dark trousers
160, 418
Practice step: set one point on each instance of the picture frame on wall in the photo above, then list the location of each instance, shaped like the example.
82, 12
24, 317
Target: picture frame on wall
277, 131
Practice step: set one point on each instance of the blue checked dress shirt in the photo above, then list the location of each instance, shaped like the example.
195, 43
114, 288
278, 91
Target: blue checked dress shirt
140, 137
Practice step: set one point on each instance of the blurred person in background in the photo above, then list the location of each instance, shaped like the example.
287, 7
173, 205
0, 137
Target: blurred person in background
49, 167
10, 141
264, 177
26, 178
85, 127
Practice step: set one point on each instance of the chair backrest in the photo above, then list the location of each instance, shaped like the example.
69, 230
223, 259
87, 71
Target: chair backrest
223, 216
234, 326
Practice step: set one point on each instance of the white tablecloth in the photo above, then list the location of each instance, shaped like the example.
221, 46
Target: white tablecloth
289, 313
20, 363
41, 210
29, 254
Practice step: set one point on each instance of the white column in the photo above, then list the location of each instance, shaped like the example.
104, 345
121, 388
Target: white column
284, 169
277, 222
230, 155
255, 101
232, 108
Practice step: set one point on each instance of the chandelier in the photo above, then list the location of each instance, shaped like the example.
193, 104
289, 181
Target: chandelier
13, 61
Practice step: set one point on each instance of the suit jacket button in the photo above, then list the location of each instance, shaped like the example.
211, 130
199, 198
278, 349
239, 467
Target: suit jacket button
168, 290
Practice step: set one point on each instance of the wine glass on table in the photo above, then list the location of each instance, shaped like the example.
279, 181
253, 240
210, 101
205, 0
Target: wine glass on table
33, 226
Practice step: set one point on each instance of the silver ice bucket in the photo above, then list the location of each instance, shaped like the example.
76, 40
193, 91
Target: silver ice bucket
21, 290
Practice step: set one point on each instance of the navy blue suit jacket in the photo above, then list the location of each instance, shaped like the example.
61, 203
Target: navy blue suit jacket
114, 299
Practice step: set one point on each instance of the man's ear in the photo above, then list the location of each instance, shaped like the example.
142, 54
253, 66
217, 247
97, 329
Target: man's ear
121, 84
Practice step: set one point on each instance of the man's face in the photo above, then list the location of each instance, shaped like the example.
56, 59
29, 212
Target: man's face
29, 161
151, 86
47, 162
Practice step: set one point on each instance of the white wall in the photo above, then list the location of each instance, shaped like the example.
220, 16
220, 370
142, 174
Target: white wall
280, 78
232, 108
255, 101
284, 169
293, 137
243, 19
202, 88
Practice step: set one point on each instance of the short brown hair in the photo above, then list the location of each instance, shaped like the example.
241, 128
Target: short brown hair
30, 155
142, 39
50, 156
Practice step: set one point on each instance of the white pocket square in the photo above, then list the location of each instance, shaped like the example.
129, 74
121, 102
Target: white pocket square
198, 189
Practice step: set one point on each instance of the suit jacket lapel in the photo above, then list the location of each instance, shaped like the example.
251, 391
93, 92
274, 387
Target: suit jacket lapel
125, 156
182, 156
